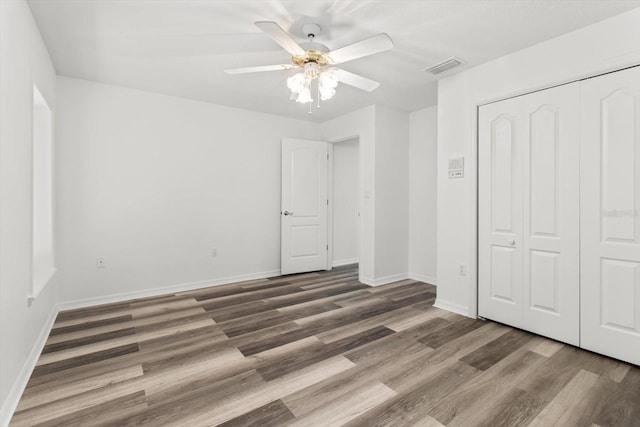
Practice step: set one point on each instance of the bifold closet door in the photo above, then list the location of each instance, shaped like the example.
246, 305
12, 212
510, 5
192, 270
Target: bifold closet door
529, 244
610, 214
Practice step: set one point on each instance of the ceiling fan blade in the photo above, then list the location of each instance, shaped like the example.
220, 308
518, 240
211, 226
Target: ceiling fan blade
366, 47
281, 37
261, 68
356, 80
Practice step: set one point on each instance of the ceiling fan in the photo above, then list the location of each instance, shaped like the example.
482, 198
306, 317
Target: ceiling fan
317, 63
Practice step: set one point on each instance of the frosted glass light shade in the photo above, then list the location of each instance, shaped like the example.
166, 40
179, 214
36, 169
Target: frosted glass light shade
296, 83
326, 93
304, 96
328, 79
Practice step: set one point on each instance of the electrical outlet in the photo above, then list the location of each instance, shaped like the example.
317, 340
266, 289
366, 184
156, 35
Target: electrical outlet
462, 270
100, 263
214, 252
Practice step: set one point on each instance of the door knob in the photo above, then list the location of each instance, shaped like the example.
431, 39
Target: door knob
286, 213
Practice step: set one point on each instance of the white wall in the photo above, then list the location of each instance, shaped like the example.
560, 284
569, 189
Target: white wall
391, 195
152, 183
423, 189
346, 183
604, 46
24, 62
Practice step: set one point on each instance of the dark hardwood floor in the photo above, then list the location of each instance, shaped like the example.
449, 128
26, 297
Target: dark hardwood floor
317, 349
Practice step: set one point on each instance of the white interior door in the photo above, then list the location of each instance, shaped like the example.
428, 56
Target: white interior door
500, 212
304, 206
551, 239
529, 252
610, 205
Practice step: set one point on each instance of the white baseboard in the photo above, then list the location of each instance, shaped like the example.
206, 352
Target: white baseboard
341, 262
15, 393
451, 306
423, 278
89, 302
366, 280
383, 280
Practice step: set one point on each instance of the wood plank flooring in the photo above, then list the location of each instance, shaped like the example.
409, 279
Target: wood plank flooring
316, 349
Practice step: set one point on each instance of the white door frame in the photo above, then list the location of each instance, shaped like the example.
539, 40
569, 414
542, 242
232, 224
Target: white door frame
331, 205
330, 196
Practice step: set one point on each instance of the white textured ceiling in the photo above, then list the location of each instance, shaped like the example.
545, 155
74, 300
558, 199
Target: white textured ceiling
181, 47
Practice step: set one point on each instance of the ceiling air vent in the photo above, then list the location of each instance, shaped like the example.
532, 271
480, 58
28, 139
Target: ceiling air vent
445, 65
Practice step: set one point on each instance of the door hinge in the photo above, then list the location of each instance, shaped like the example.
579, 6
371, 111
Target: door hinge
327, 156
327, 202
327, 247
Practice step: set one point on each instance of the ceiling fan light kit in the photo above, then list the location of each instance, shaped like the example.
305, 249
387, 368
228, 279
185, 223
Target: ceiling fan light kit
300, 83
316, 62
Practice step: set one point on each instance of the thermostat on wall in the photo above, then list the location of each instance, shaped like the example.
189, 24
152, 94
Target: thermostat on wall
456, 167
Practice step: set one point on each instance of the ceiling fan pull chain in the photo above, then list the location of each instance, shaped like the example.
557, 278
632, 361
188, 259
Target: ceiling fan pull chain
318, 94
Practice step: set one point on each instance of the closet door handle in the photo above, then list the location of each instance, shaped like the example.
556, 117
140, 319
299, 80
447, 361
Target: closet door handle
512, 243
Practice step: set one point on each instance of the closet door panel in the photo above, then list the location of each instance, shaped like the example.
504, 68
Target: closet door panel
500, 212
610, 199
550, 241
544, 164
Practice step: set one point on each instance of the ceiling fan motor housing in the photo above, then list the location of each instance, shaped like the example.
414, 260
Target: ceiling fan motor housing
315, 56
315, 52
